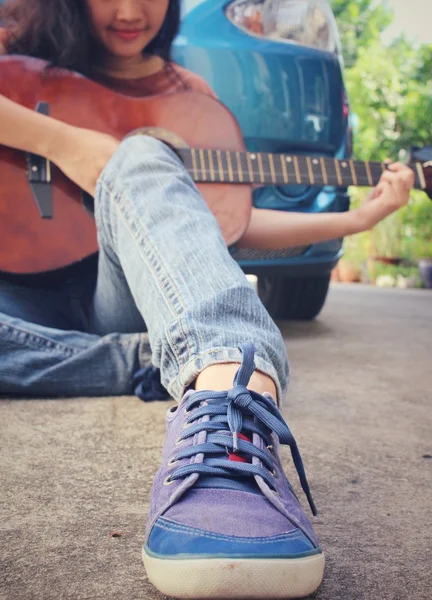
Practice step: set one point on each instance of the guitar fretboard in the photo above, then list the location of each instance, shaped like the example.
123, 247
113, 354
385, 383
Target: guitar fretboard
225, 166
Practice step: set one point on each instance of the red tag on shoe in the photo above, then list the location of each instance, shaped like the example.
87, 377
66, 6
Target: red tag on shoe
234, 456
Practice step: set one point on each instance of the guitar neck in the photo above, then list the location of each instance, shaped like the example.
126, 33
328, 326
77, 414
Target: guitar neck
263, 168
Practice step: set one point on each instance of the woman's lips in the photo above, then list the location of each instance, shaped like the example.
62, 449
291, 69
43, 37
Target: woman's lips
127, 34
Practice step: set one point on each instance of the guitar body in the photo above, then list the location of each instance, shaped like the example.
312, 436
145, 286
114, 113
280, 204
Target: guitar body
40, 233
32, 244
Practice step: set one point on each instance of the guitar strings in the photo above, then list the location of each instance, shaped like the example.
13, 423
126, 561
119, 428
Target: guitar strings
328, 175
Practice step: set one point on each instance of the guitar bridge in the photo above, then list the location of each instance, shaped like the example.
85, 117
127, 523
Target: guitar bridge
39, 176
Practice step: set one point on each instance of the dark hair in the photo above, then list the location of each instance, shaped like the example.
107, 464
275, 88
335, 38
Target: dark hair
60, 32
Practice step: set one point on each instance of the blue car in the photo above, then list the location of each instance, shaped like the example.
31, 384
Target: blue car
276, 64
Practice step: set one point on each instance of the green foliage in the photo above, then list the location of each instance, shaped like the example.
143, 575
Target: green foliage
397, 271
392, 106
357, 248
414, 119
386, 239
360, 24
390, 92
406, 234
389, 87
417, 219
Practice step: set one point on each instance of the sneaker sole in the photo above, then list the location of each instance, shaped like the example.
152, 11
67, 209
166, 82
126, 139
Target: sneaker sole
249, 579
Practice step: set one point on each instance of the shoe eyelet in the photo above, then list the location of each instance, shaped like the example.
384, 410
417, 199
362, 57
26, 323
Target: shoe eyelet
186, 412
275, 474
172, 461
168, 480
179, 441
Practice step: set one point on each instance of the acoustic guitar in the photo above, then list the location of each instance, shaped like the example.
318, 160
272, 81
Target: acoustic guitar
45, 219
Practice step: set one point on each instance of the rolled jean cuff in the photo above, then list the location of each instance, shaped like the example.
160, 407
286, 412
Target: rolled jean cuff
216, 356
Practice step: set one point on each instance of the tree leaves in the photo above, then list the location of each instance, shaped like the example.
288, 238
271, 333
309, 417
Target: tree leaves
389, 87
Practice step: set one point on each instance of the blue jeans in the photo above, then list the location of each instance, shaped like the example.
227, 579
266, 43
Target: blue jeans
167, 293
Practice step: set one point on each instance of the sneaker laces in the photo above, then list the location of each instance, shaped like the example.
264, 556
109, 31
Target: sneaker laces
228, 416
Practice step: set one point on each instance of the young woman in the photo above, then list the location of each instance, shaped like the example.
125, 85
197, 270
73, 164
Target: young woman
220, 498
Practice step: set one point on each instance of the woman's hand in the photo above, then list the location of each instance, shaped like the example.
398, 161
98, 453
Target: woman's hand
394, 186
82, 155
391, 194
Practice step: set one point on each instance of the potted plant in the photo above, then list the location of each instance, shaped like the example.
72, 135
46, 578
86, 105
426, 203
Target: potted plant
424, 254
418, 220
386, 240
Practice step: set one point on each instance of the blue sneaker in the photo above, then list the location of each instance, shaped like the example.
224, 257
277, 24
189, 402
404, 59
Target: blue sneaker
224, 521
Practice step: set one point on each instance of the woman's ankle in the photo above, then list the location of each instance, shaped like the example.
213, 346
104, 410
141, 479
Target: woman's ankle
221, 376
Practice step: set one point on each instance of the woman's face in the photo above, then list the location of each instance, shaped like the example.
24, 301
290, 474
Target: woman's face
126, 27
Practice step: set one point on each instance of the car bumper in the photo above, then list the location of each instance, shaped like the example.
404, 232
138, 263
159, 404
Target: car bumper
314, 261
309, 261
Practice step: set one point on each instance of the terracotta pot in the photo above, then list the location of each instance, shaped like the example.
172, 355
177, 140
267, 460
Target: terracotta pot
388, 260
348, 272
335, 274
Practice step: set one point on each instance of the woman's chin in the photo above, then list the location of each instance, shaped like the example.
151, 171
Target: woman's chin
125, 49
123, 53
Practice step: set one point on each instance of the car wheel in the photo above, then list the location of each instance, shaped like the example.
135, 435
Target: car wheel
297, 298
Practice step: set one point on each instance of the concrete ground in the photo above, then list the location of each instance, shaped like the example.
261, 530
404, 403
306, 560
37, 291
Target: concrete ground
75, 474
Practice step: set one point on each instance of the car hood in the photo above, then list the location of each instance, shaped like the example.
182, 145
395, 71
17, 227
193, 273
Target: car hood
285, 96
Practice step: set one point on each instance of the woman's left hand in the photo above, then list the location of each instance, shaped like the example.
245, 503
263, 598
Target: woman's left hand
391, 194
394, 186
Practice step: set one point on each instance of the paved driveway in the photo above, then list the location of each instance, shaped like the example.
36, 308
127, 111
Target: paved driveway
75, 474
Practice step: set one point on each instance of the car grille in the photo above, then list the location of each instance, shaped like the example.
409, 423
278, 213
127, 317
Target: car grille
251, 254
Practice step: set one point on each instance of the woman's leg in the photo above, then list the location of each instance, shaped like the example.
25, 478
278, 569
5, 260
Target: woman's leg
223, 520
159, 240
44, 353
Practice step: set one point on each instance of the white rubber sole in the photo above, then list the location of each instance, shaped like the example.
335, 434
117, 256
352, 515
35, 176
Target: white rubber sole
248, 579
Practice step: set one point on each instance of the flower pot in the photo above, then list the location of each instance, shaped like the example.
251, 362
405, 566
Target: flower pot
388, 260
335, 275
425, 268
348, 272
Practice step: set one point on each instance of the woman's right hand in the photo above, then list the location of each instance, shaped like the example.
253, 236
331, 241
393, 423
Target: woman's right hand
82, 155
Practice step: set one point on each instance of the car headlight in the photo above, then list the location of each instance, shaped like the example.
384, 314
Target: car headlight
306, 22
